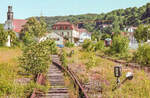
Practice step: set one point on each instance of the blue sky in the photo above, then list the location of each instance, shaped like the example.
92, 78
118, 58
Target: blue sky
27, 8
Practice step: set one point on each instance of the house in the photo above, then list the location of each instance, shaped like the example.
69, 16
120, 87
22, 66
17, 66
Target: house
13, 24
84, 34
130, 33
67, 30
54, 36
103, 24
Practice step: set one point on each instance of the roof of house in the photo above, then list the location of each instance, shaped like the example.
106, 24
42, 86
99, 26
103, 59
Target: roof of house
18, 24
63, 23
74, 27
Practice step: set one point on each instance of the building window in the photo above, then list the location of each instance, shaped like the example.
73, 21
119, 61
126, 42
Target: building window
68, 33
62, 33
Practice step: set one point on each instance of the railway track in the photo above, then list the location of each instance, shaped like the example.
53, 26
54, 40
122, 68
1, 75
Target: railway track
56, 78
128, 64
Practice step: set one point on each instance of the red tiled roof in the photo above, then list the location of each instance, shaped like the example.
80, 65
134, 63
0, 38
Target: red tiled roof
18, 23
63, 23
74, 27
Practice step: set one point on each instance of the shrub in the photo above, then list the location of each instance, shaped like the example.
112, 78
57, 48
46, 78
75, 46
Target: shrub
63, 58
4, 35
92, 61
69, 44
36, 57
119, 45
27, 38
142, 55
88, 45
99, 45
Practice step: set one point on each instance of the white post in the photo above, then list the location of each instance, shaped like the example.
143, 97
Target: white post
8, 41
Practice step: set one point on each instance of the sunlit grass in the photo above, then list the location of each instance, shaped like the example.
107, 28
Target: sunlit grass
9, 73
139, 87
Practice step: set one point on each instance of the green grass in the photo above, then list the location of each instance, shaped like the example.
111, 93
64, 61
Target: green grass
103, 72
9, 73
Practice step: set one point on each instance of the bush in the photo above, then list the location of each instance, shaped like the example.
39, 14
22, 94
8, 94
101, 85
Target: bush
36, 57
119, 45
69, 44
4, 36
92, 61
88, 45
142, 55
63, 58
99, 45
27, 38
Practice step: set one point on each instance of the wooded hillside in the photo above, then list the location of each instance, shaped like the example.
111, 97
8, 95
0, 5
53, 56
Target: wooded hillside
124, 17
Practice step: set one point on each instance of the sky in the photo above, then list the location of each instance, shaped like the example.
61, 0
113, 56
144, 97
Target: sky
26, 8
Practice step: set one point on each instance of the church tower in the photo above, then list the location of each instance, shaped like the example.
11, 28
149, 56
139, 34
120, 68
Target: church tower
10, 13
9, 21
9, 24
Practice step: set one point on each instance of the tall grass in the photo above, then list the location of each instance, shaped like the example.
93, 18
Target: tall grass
103, 72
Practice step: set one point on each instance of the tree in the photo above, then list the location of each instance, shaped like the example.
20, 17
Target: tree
142, 33
3, 36
116, 26
96, 36
120, 45
35, 28
142, 55
36, 57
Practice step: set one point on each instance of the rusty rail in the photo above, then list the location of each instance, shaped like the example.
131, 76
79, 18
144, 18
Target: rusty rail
131, 65
73, 77
40, 80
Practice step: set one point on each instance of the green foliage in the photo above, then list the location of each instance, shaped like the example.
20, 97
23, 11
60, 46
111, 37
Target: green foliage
29, 88
8, 84
69, 44
92, 61
35, 28
120, 18
142, 33
142, 55
3, 36
119, 45
105, 35
63, 58
36, 57
13, 37
99, 45
28, 38
96, 36
88, 45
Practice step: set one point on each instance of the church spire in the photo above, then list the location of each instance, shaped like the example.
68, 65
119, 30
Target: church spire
10, 13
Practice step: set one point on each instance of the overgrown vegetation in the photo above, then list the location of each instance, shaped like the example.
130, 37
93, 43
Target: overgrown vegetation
36, 57
142, 33
69, 44
92, 61
4, 37
33, 30
63, 58
119, 46
89, 45
103, 73
142, 55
